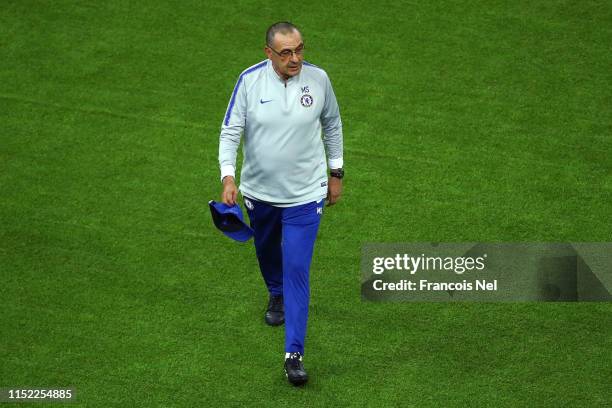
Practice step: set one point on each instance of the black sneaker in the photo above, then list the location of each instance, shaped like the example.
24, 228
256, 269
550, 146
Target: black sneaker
275, 314
294, 369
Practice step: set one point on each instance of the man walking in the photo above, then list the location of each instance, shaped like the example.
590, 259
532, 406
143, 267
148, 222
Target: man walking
281, 105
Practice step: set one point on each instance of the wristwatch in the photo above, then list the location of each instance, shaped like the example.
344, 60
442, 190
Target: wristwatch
337, 173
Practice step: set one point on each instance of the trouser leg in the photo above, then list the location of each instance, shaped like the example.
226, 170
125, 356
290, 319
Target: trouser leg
299, 230
266, 222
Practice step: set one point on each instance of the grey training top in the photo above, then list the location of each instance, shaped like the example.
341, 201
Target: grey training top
284, 154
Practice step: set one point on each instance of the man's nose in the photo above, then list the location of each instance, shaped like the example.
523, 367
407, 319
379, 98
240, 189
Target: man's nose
295, 57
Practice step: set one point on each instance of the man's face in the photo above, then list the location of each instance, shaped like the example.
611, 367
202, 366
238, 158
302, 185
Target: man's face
287, 64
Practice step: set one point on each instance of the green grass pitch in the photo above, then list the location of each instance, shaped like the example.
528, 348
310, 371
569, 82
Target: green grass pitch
480, 121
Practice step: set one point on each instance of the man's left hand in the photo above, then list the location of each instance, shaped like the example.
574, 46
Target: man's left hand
334, 190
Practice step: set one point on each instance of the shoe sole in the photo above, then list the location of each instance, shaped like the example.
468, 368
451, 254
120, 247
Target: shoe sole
298, 382
274, 324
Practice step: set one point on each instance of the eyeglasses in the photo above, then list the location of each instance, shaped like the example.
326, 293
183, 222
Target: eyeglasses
286, 54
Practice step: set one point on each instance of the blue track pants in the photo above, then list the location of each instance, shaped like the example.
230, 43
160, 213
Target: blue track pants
284, 243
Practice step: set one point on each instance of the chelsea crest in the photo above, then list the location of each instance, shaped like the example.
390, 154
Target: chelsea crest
306, 100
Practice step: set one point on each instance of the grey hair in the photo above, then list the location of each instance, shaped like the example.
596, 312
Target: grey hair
283, 27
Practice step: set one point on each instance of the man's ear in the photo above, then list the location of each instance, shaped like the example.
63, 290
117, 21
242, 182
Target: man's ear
268, 52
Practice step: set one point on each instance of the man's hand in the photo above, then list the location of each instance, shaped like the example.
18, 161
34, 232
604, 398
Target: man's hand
230, 192
334, 190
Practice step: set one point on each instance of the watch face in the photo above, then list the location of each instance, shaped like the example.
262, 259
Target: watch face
338, 173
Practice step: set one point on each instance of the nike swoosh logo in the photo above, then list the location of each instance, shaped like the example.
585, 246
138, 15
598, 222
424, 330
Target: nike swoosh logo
262, 101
